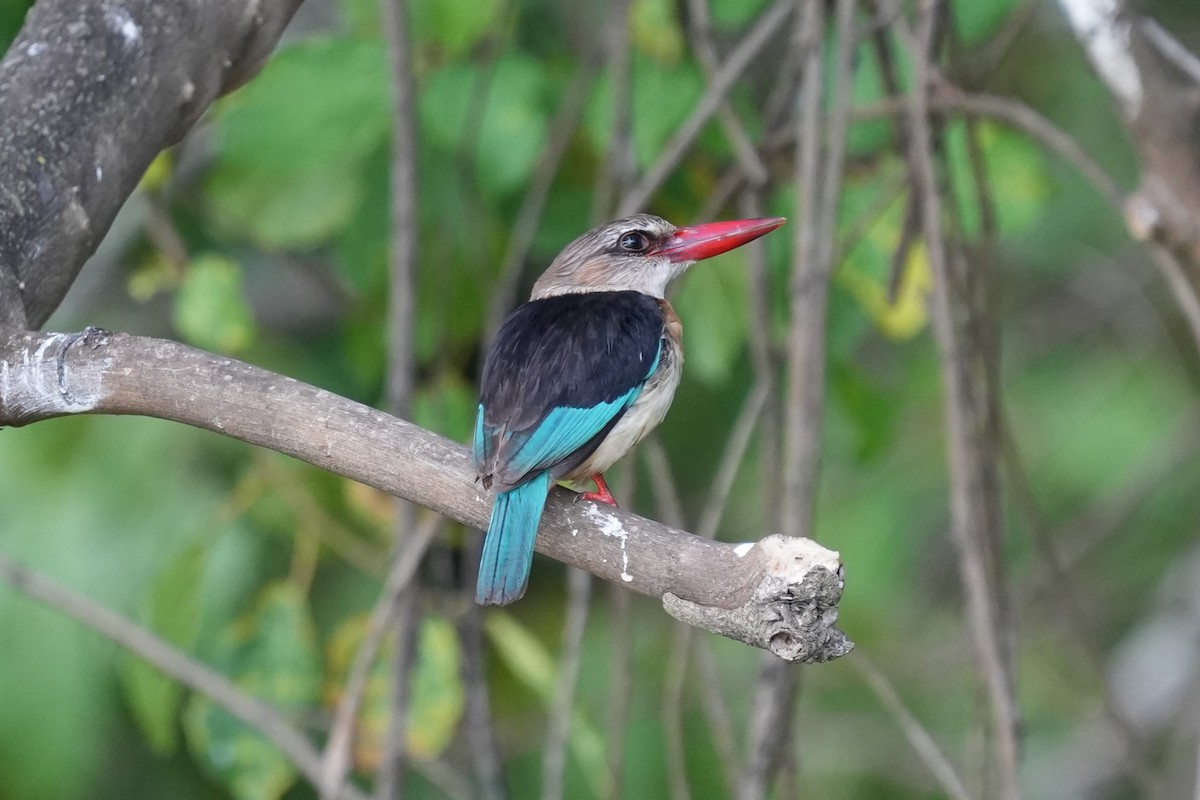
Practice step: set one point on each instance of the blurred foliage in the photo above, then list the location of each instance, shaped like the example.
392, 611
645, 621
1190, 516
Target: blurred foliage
265, 568
271, 654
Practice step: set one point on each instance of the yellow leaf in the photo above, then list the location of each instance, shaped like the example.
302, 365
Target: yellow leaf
437, 699
158, 173
908, 314
656, 30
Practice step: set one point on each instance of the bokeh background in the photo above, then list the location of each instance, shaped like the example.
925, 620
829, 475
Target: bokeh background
265, 235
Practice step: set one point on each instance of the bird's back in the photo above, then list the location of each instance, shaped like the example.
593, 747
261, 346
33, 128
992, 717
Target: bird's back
562, 373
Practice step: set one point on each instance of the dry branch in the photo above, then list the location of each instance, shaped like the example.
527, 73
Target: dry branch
44, 375
1155, 82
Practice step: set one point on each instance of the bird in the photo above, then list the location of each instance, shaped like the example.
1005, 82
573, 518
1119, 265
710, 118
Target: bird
580, 373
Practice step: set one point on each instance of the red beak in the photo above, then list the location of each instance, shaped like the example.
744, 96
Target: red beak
713, 238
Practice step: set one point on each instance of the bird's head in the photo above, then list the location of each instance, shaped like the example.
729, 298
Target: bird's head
642, 253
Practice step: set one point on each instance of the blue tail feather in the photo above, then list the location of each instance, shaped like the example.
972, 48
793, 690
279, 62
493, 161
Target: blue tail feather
508, 545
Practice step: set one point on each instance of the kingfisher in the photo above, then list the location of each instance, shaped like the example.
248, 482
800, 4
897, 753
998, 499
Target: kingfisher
580, 373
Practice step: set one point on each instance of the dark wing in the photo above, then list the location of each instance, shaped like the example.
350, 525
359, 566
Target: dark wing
561, 373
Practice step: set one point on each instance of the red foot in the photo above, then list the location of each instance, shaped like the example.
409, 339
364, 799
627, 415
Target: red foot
602, 494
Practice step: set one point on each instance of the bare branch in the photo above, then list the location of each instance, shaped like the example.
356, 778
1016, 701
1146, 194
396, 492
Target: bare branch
49, 375
738, 62
336, 758
806, 351
974, 493
619, 169
554, 755
402, 268
672, 710
620, 651
1156, 83
477, 722
700, 33
923, 743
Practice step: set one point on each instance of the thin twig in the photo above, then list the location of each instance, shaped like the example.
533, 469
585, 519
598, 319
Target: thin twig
769, 729
336, 759
558, 728
529, 216
1072, 606
731, 461
765, 360
662, 481
1177, 281
740, 58
700, 33
973, 510
174, 663
804, 387
401, 364
621, 675
1015, 114
617, 172
922, 741
720, 721
672, 711
477, 720
621, 688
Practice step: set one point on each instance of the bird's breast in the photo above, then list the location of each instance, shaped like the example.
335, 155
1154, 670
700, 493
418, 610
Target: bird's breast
650, 407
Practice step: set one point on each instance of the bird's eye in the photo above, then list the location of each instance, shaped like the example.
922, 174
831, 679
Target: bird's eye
634, 242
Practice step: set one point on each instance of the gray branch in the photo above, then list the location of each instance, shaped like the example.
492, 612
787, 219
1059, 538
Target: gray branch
90, 92
780, 597
1155, 82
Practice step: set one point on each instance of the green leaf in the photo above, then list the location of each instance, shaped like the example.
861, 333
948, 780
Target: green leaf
870, 409
446, 406
291, 146
272, 655
173, 612
732, 14
977, 21
12, 13
362, 246
318, 103
361, 17
662, 98
210, 308
1015, 169
456, 26
712, 304
532, 664
510, 133
438, 698
295, 210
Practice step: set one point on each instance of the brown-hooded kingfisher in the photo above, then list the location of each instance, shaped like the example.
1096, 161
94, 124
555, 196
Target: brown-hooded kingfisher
580, 373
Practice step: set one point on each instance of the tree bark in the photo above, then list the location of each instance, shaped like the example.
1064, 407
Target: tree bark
781, 596
90, 92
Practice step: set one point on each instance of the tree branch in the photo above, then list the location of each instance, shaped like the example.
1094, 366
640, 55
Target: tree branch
1155, 81
90, 92
970, 425
774, 596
